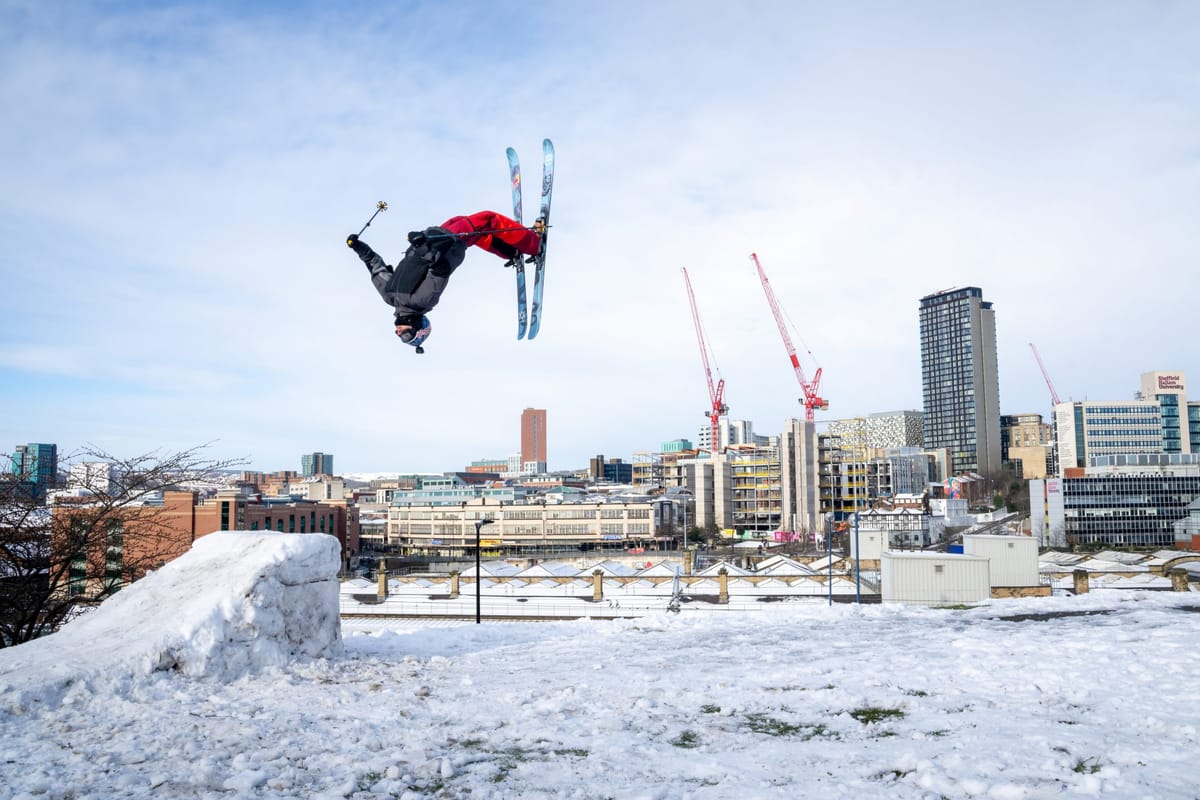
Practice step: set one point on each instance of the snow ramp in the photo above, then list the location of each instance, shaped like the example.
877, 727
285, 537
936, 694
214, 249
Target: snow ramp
234, 603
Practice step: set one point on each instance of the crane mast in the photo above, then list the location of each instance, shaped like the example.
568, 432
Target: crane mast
716, 392
812, 399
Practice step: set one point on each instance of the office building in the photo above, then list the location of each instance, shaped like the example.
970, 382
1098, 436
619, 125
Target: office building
533, 440
959, 378
1134, 500
1180, 419
1089, 430
527, 528
1159, 420
316, 464
37, 464
141, 537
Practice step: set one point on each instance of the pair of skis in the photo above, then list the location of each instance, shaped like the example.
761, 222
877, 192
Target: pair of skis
532, 315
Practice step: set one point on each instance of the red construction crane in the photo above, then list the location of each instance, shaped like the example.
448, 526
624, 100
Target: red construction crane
716, 393
1053, 394
812, 399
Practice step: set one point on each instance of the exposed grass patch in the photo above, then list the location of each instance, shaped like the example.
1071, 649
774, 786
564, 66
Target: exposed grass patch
1049, 615
687, 740
578, 752
471, 743
1087, 766
916, 693
508, 759
892, 774
365, 782
709, 708
870, 714
772, 726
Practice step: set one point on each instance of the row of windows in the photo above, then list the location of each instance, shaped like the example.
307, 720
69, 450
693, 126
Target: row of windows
1123, 411
309, 524
1122, 446
582, 529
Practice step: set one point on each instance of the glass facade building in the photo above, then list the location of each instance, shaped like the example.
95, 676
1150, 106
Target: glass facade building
38, 464
316, 464
1087, 431
1133, 500
959, 380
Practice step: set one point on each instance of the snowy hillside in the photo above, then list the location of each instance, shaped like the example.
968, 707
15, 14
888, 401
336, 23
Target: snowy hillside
1064, 697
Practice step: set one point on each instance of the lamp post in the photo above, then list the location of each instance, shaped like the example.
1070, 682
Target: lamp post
478, 568
684, 504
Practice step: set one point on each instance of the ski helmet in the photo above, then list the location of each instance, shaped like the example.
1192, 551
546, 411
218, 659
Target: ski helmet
417, 333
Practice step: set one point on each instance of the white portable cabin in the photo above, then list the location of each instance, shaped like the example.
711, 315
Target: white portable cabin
934, 579
870, 543
1014, 559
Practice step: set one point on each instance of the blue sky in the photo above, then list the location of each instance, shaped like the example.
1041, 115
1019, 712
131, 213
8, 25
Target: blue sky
180, 179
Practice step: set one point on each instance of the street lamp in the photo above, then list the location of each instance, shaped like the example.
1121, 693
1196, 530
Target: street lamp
478, 568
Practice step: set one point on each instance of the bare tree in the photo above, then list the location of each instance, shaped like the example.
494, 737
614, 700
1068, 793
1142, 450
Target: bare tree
110, 529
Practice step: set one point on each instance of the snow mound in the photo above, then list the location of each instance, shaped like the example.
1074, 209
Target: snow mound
235, 603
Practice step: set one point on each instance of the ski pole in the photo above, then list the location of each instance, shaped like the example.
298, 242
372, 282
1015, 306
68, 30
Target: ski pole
480, 233
380, 206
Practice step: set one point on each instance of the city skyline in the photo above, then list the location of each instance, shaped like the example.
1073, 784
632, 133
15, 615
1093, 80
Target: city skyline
169, 248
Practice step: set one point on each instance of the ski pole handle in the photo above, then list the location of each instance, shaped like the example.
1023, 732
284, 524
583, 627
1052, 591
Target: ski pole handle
380, 206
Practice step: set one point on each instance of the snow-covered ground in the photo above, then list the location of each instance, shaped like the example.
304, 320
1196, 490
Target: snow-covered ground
1089, 696
235, 602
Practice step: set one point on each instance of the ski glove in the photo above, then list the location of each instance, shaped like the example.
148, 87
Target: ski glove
416, 238
351, 240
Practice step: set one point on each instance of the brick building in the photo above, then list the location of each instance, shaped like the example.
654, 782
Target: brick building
149, 536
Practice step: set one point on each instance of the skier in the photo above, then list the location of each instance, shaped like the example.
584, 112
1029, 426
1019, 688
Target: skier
415, 285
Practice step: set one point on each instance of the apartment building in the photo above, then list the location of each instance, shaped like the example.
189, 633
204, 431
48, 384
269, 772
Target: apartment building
1027, 444
959, 378
534, 446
